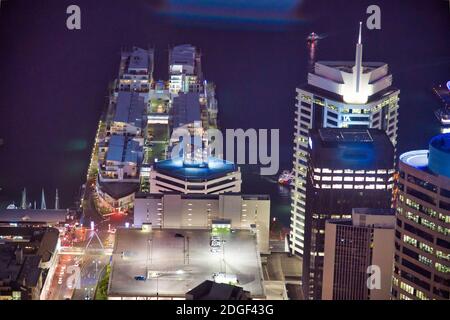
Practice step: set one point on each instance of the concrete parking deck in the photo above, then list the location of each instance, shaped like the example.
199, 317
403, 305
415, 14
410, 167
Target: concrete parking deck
175, 261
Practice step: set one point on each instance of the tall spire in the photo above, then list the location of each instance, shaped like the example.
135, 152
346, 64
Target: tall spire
43, 205
359, 37
56, 200
358, 60
23, 204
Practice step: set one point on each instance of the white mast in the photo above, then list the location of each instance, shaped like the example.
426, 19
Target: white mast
358, 60
56, 200
43, 205
23, 204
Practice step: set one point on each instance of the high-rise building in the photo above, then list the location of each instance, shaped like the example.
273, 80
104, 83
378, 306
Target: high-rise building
422, 237
348, 168
338, 94
359, 254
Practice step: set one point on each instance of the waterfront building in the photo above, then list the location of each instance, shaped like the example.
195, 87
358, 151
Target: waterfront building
422, 236
136, 70
211, 177
356, 249
119, 172
129, 115
185, 69
338, 94
190, 211
348, 168
123, 156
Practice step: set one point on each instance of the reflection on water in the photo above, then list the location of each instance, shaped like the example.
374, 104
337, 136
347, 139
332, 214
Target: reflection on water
253, 182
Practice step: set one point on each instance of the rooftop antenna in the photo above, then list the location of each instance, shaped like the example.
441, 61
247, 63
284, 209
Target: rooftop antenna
358, 59
43, 205
56, 200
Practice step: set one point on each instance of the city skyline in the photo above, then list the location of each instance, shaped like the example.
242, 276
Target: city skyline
185, 151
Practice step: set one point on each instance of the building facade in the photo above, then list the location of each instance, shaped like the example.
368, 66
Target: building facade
422, 239
338, 95
212, 177
356, 249
136, 70
348, 168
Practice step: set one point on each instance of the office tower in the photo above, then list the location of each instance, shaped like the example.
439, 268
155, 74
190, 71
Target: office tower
348, 168
338, 94
422, 244
359, 254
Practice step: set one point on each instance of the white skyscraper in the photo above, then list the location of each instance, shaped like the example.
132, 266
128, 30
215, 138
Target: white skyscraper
338, 94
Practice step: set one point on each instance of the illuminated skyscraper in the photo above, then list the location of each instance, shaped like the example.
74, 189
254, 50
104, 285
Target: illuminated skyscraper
352, 94
347, 169
422, 237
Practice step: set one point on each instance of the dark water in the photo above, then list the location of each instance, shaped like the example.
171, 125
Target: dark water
53, 82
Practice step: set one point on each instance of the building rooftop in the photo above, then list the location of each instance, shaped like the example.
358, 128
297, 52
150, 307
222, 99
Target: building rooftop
439, 156
119, 190
345, 148
177, 168
210, 290
175, 261
435, 160
130, 108
139, 59
122, 149
185, 109
183, 55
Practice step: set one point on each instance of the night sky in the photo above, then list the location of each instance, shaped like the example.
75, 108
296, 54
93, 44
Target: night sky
54, 81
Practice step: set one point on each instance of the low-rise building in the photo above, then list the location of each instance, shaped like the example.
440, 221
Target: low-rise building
136, 70
212, 177
25, 256
129, 115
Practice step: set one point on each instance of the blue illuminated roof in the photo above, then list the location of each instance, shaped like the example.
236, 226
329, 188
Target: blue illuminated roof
435, 160
439, 157
417, 159
349, 148
177, 168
